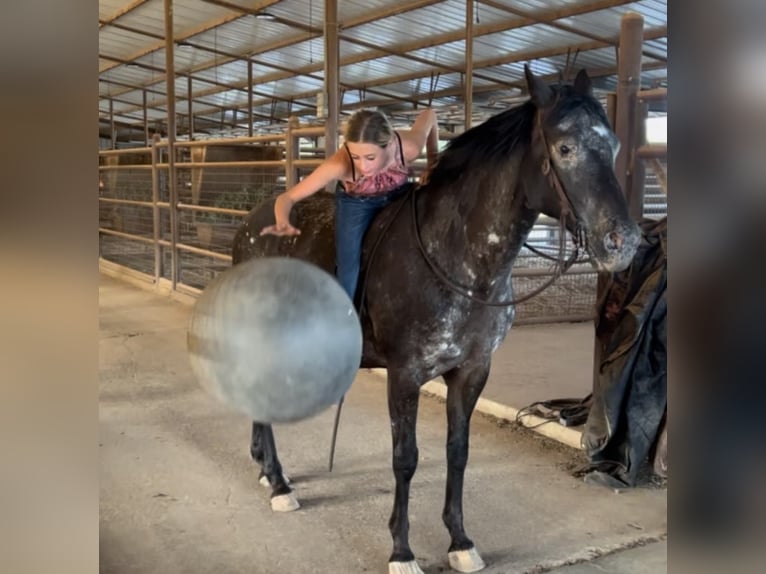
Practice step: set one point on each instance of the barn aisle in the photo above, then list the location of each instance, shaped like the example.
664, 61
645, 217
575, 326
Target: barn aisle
179, 493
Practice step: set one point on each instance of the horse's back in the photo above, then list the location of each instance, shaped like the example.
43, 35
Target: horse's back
314, 216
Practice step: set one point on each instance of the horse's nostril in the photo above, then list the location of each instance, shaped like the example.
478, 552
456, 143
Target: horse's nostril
613, 241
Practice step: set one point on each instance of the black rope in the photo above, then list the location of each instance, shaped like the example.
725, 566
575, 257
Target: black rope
465, 292
549, 170
567, 412
362, 307
544, 255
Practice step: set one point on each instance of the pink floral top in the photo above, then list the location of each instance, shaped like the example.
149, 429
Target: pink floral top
382, 182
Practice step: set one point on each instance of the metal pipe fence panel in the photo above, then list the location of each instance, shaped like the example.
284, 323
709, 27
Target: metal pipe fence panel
219, 183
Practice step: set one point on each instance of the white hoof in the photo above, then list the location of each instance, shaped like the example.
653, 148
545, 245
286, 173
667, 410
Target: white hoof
466, 560
264, 481
410, 567
284, 503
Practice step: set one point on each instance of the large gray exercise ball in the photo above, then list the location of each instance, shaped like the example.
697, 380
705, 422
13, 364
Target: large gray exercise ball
275, 338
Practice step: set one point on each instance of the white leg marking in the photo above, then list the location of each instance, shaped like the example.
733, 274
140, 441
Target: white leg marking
284, 503
264, 481
410, 567
466, 560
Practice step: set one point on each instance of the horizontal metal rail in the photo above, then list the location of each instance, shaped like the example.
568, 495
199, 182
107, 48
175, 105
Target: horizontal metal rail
226, 165
225, 141
125, 167
124, 235
126, 201
525, 272
652, 151
203, 209
198, 250
653, 95
147, 150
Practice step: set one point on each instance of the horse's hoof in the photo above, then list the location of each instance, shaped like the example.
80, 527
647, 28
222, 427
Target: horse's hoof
284, 503
466, 560
410, 567
264, 480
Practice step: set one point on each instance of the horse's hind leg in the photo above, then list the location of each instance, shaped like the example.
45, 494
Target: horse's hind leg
403, 395
464, 385
263, 449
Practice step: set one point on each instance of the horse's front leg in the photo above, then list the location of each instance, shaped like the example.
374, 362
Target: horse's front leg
403, 396
464, 385
263, 449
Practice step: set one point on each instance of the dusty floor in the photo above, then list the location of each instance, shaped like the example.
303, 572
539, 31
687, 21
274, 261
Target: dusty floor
180, 494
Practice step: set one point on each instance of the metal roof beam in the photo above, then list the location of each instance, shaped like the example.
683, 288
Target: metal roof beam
428, 42
209, 25
121, 12
651, 34
521, 84
543, 16
564, 27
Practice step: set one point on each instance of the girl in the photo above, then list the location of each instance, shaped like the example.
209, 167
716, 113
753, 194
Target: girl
372, 170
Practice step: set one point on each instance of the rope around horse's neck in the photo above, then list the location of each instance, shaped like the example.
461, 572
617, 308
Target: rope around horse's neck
465, 292
562, 265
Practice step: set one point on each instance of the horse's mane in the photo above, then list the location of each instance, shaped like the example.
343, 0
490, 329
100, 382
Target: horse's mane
491, 142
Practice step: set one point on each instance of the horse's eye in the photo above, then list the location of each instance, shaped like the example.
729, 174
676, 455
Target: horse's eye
564, 149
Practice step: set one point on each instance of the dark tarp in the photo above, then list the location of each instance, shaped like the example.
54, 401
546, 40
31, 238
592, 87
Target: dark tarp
627, 415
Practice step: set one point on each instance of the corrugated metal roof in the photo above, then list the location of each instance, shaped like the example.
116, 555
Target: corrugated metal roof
393, 54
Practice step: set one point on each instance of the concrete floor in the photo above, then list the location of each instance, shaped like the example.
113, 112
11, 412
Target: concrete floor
180, 494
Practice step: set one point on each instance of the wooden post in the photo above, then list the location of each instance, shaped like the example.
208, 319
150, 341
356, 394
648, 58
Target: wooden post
146, 119
170, 81
157, 222
468, 87
331, 79
331, 75
611, 108
629, 80
113, 132
602, 282
249, 97
638, 171
292, 152
191, 109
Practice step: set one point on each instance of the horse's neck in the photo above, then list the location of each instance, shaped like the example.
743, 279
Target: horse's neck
475, 230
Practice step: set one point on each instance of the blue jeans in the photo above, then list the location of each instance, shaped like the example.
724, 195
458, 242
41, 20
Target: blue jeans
353, 216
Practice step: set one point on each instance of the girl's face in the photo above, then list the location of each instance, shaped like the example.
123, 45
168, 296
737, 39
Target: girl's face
368, 158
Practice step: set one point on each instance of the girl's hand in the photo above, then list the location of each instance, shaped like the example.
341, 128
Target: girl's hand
282, 208
283, 228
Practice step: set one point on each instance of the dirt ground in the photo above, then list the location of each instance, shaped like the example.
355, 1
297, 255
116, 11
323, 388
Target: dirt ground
179, 492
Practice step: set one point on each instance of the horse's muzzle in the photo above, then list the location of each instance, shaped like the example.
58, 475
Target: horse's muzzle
619, 245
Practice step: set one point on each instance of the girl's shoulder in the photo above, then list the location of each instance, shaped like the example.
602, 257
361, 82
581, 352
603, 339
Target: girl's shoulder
341, 163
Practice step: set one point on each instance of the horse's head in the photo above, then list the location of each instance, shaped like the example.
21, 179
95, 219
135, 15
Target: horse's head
573, 149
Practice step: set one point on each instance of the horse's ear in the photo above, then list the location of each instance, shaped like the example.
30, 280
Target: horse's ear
582, 83
540, 92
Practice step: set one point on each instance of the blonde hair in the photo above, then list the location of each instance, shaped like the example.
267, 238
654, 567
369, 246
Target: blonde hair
369, 126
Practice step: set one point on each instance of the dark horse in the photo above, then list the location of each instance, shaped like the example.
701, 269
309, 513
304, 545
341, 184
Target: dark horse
553, 154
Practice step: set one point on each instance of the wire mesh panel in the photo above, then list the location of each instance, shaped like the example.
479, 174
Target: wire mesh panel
133, 219
126, 217
215, 196
571, 297
218, 184
655, 189
127, 252
198, 270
